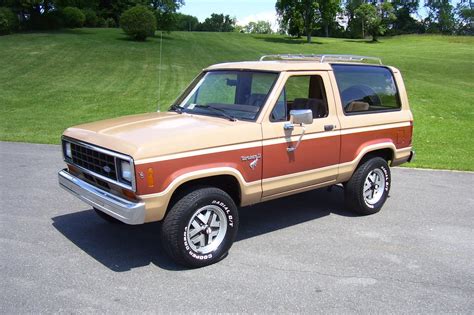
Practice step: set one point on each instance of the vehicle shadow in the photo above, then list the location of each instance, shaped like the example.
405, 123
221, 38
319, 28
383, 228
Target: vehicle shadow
122, 247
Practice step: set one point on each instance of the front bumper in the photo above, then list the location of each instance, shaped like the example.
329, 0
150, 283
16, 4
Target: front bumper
124, 210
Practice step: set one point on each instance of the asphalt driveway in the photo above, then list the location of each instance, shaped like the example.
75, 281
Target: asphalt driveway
303, 253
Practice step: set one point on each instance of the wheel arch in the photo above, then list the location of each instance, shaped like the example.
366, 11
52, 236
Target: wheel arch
385, 150
226, 178
387, 154
225, 182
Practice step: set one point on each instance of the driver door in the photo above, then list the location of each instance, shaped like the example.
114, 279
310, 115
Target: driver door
315, 161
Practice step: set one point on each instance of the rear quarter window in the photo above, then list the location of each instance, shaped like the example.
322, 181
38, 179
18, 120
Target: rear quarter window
366, 89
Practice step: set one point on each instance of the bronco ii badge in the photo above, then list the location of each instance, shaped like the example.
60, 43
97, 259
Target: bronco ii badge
254, 157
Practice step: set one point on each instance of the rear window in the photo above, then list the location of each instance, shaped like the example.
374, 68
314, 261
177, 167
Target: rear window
366, 89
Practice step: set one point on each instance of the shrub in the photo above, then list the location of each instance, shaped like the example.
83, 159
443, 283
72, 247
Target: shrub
53, 20
138, 22
73, 17
8, 21
110, 22
91, 18
101, 22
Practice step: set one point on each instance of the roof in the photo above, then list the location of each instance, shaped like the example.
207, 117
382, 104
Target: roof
273, 65
296, 62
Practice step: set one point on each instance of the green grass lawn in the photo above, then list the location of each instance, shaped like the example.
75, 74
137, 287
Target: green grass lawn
49, 81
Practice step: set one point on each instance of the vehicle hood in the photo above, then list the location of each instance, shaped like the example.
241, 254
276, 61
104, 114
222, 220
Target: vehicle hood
157, 134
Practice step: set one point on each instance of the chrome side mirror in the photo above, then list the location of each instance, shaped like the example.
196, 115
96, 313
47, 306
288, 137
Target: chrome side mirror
299, 117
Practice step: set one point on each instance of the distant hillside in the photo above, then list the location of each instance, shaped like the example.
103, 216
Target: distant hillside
49, 81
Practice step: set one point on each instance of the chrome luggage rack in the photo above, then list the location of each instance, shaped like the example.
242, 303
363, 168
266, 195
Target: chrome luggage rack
323, 58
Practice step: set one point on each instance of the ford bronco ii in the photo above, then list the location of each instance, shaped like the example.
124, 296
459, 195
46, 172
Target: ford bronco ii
243, 133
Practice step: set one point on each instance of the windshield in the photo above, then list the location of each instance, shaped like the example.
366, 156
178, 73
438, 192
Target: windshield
228, 94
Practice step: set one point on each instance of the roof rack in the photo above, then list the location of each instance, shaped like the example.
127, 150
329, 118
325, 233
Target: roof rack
322, 58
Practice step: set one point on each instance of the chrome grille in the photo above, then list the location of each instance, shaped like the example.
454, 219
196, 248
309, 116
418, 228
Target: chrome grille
94, 161
104, 165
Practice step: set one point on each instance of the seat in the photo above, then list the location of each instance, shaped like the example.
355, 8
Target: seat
357, 107
317, 106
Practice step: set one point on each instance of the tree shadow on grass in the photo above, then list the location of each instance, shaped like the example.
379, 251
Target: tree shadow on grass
121, 247
149, 39
71, 31
287, 40
361, 41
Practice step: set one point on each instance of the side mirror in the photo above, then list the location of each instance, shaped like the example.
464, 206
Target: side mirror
299, 117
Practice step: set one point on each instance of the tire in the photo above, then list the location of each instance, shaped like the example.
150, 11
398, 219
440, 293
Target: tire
368, 188
107, 217
201, 227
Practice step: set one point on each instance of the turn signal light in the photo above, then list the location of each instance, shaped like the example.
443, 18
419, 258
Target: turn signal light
129, 194
149, 178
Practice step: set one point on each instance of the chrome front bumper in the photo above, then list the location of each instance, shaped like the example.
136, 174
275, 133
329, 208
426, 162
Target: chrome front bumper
124, 210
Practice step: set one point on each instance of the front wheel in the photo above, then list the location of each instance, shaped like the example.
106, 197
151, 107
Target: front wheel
201, 227
368, 188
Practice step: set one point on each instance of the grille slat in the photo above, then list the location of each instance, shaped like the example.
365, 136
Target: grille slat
93, 160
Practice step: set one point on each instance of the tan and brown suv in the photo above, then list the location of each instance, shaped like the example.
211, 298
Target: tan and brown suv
240, 134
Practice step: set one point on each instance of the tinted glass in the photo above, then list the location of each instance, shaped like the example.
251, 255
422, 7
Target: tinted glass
240, 94
301, 92
366, 88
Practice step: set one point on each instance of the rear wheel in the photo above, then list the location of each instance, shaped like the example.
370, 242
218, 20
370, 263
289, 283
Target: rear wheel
368, 188
201, 227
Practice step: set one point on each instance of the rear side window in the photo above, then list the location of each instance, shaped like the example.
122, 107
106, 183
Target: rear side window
366, 89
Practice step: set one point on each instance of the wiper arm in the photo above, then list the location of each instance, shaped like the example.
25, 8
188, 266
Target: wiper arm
176, 108
219, 111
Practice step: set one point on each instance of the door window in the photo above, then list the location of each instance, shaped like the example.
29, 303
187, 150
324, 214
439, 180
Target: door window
301, 92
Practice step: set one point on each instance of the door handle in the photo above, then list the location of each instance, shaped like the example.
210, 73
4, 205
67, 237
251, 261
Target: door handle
329, 127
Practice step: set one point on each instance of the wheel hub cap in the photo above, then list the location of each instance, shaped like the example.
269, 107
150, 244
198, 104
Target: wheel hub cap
206, 229
374, 186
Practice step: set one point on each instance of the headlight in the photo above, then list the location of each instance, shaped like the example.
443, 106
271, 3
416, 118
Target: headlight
67, 150
126, 171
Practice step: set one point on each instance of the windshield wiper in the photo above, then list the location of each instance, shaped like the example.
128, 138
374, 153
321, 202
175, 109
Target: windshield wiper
176, 108
219, 111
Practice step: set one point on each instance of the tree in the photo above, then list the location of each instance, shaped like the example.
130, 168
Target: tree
91, 18
306, 10
8, 21
405, 23
329, 10
259, 27
375, 18
440, 16
465, 21
354, 25
73, 17
186, 22
217, 23
138, 22
165, 12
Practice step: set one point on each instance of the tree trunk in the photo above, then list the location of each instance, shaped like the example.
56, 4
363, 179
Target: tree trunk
308, 29
363, 33
326, 29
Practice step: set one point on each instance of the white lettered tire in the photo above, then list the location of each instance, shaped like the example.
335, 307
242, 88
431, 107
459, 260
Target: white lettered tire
368, 188
201, 227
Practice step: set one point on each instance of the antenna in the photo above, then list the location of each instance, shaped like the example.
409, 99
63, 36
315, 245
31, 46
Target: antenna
159, 70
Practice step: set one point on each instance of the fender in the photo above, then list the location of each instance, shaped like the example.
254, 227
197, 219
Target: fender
346, 169
251, 191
